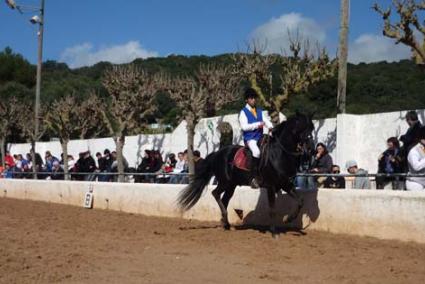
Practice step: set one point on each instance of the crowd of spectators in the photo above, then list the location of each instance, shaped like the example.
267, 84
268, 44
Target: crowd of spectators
396, 159
152, 168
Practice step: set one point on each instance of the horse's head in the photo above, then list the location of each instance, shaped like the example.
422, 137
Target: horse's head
300, 128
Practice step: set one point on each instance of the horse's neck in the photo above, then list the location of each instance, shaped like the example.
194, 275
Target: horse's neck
286, 138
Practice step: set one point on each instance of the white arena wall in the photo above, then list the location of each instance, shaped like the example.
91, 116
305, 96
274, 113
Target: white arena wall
394, 215
359, 137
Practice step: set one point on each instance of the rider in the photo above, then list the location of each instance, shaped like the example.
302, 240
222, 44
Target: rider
252, 121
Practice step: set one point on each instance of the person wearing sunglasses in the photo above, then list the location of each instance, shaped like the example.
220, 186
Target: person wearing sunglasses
335, 181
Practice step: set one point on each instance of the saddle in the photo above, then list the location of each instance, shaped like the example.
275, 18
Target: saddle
243, 156
242, 159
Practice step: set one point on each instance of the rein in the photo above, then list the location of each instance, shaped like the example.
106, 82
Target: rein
286, 150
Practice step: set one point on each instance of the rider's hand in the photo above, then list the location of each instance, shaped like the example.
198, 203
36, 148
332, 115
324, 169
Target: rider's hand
261, 125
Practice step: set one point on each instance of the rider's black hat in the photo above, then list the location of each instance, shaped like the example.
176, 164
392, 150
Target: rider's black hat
250, 93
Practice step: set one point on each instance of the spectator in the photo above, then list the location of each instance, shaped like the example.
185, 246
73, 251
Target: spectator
102, 167
172, 160
143, 167
301, 182
178, 169
335, 181
89, 166
49, 161
9, 159
114, 165
360, 182
198, 160
79, 167
411, 137
185, 179
390, 162
416, 162
18, 169
57, 171
322, 163
71, 162
108, 159
38, 161
8, 171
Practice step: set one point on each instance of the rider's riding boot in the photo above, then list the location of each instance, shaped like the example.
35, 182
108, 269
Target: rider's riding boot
254, 172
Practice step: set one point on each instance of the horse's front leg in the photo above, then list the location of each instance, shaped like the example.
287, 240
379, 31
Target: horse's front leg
271, 194
290, 190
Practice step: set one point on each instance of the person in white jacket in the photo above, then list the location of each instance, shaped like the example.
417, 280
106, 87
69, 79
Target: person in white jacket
416, 162
252, 122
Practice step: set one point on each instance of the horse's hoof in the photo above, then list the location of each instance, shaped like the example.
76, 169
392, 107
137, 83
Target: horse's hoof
288, 220
226, 227
275, 236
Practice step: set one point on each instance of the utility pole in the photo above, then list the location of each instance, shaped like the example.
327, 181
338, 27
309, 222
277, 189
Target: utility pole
342, 57
39, 64
36, 20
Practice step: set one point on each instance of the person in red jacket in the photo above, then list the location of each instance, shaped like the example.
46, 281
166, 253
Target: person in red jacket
8, 159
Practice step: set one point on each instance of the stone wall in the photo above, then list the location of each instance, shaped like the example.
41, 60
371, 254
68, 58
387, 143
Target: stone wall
381, 214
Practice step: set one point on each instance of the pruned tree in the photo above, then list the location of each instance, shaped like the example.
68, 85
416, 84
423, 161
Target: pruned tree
297, 71
69, 117
211, 88
27, 128
132, 92
8, 114
409, 29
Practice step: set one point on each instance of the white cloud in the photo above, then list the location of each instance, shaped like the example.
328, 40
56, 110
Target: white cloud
371, 48
275, 35
85, 54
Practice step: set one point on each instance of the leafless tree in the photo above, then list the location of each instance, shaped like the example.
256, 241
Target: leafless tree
211, 88
69, 117
27, 128
132, 92
8, 114
409, 29
300, 69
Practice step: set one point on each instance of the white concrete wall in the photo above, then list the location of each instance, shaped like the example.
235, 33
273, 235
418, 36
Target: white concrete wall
359, 137
381, 214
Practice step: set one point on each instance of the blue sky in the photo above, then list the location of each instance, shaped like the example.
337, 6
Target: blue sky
82, 32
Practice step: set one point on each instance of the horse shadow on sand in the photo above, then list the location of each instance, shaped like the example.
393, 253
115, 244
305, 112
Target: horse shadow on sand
259, 219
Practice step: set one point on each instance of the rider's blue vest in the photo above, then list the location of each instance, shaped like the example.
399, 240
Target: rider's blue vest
256, 134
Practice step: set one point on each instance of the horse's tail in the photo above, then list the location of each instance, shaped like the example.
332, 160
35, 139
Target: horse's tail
192, 193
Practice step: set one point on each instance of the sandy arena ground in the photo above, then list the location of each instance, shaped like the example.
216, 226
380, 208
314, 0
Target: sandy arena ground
41, 242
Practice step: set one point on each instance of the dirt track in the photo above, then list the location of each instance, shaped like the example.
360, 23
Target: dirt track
42, 242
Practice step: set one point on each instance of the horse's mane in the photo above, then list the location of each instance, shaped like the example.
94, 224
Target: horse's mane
289, 123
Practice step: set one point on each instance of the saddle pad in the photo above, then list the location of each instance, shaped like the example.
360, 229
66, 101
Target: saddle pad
242, 160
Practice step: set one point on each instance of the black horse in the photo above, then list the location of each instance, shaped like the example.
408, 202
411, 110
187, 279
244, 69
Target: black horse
279, 160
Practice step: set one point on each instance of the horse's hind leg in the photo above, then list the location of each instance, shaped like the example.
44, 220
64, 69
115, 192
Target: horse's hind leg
223, 204
271, 194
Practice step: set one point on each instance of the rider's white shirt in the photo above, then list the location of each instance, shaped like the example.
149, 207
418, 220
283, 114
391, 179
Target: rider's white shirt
245, 126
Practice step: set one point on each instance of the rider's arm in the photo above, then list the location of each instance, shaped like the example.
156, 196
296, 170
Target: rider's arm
416, 162
243, 121
267, 122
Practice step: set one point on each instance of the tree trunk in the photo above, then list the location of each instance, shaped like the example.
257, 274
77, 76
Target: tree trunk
64, 145
342, 57
119, 142
3, 143
190, 141
34, 164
